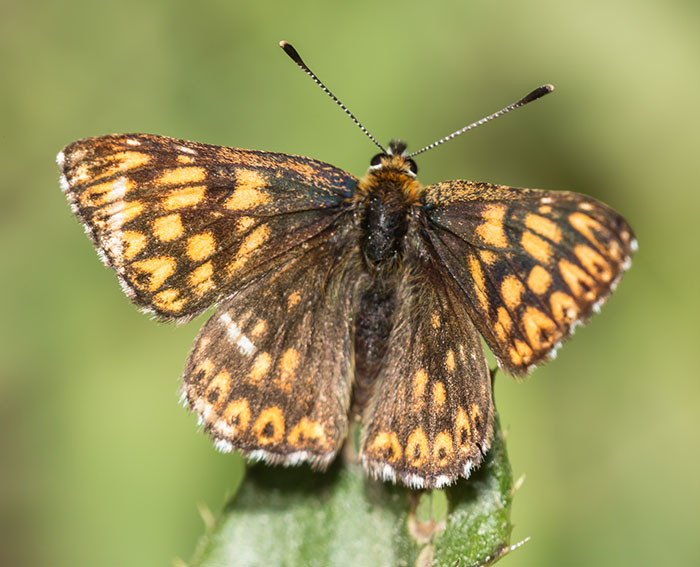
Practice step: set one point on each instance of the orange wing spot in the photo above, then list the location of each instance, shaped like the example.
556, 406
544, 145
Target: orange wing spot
244, 223
269, 427
168, 227
614, 250
201, 274
133, 243
246, 199
251, 243
504, 324
539, 280
218, 389
586, 225
512, 291
544, 227
247, 195
203, 344
261, 365
439, 396
479, 283
545, 209
108, 192
167, 300
81, 174
201, 246
121, 162
126, 161
435, 320
488, 257
307, 434
185, 159
450, 360
200, 278
182, 176
593, 262
443, 449
580, 283
491, 230
293, 299
287, 368
536, 247
158, 270
237, 415
564, 308
251, 179
254, 240
420, 380
118, 214
185, 197
464, 431
520, 353
130, 210
260, 328
386, 446
417, 449
539, 328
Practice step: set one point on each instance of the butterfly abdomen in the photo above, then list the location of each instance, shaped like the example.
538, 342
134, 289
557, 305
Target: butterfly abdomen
373, 324
384, 213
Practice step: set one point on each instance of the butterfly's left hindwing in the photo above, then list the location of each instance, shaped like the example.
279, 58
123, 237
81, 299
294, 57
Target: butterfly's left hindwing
532, 264
185, 224
270, 373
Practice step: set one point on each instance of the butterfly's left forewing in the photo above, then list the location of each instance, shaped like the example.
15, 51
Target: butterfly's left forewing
184, 224
532, 264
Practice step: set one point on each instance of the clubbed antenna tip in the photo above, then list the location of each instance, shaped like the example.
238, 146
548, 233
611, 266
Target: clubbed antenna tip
294, 55
534, 95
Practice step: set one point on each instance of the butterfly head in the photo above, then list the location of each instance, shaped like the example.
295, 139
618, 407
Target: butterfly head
393, 172
395, 160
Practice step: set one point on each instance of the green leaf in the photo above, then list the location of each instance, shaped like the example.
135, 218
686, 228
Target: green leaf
295, 517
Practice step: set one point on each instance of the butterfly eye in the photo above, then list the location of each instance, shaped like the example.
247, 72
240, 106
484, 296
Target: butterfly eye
413, 167
376, 160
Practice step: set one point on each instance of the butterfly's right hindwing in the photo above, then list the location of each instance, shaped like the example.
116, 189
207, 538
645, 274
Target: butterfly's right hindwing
429, 421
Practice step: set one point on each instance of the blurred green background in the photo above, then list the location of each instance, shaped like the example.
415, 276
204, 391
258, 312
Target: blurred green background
98, 463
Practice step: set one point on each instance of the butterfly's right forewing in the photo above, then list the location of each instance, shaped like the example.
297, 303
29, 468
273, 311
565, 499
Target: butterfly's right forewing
532, 264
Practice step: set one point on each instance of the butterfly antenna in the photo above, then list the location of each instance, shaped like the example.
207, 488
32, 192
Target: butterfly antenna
289, 50
534, 95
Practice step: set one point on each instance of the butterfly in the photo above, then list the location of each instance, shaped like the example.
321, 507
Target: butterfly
340, 297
